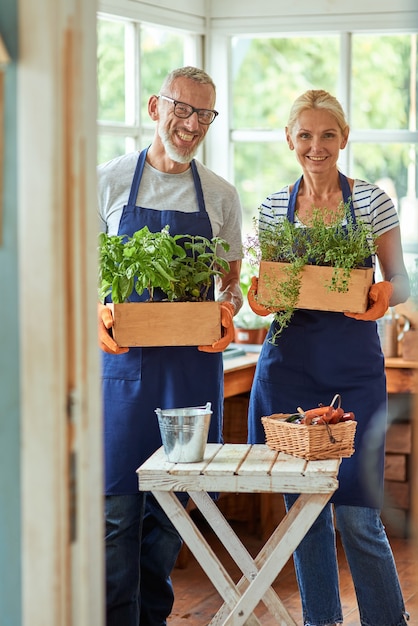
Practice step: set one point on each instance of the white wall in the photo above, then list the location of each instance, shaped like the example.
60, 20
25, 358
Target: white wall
247, 16
183, 14
280, 15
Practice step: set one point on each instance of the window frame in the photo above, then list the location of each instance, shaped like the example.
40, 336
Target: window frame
213, 33
136, 129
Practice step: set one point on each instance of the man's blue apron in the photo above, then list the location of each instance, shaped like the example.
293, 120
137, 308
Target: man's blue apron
138, 382
318, 355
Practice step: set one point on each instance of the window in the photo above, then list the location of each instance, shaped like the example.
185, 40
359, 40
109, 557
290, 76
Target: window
373, 76
133, 59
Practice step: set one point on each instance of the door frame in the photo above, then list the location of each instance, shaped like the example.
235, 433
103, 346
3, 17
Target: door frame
61, 443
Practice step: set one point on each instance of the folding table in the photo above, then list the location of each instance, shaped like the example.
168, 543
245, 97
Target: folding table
238, 468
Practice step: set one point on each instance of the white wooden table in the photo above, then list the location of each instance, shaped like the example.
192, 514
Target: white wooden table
241, 468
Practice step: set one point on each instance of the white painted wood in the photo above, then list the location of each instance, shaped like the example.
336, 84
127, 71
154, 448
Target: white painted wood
239, 468
218, 149
227, 460
246, 16
199, 546
260, 458
237, 484
294, 527
234, 8
183, 14
62, 546
268, 16
240, 555
242, 468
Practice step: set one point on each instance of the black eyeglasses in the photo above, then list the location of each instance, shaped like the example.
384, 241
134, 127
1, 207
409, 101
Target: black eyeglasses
183, 110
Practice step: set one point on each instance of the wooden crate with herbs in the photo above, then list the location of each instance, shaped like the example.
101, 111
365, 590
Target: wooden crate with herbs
315, 292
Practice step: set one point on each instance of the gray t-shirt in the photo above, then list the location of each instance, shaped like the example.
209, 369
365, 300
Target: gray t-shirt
162, 191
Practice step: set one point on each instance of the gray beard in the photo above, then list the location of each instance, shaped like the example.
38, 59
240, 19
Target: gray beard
171, 150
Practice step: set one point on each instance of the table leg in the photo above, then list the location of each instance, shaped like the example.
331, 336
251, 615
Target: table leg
241, 556
277, 552
198, 545
261, 572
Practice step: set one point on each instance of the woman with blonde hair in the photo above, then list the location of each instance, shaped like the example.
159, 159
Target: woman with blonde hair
321, 353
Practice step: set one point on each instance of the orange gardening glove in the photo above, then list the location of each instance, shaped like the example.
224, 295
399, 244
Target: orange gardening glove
259, 309
106, 341
228, 333
379, 296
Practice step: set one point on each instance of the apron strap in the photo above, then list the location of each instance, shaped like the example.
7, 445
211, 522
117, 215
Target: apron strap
198, 187
291, 209
137, 177
345, 189
347, 195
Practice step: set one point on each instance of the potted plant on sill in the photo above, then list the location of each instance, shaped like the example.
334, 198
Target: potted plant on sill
335, 281
175, 274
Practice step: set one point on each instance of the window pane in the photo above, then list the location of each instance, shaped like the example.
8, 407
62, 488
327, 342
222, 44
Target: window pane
269, 73
384, 85
394, 168
374, 162
260, 170
111, 146
161, 52
125, 82
111, 70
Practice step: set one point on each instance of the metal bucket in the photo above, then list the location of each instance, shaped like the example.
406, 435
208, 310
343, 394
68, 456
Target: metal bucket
184, 432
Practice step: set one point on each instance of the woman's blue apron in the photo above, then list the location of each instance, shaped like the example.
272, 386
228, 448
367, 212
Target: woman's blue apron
143, 379
318, 355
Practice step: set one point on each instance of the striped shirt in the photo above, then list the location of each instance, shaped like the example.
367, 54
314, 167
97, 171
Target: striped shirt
371, 205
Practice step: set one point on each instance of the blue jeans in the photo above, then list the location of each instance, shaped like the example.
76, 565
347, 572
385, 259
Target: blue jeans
371, 564
141, 550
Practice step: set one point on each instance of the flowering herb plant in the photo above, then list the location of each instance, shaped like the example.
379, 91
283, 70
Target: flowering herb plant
326, 240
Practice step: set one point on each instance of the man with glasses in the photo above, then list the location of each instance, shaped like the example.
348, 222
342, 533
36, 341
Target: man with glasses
183, 110
162, 185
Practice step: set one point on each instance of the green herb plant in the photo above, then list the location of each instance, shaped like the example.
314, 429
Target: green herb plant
181, 266
341, 244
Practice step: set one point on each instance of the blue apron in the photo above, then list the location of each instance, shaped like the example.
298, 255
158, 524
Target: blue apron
318, 355
143, 379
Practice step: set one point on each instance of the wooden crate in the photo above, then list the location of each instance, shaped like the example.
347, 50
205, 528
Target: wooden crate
314, 293
147, 324
395, 467
395, 512
399, 439
397, 494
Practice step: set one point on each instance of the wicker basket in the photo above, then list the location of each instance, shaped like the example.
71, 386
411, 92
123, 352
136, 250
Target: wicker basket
328, 441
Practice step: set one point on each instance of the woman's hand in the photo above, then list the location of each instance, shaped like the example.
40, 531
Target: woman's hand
256, 307
379, 298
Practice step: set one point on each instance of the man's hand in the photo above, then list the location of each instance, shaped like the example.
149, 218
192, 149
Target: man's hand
228, 333
105, 321
259, 309
379, 297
